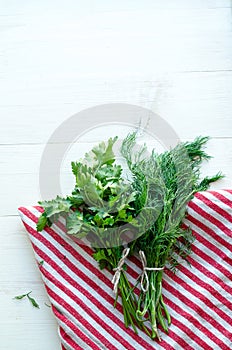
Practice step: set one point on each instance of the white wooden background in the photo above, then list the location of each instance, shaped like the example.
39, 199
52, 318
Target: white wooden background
59, 57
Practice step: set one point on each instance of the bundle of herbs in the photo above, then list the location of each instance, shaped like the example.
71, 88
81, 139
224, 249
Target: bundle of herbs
165, 242
148, 206
100, 211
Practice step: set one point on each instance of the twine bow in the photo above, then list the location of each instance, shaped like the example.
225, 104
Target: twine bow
119, 268
144, 276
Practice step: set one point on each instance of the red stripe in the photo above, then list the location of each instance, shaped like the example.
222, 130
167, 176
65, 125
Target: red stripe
80, 318
192, 318
202, 297
203, 283
74, 328
35, 233
206, 284
209, 231
196, 323
184, 328
211, 261
210, 218
69, 340
66, 246
211, 246
87, 248
182, 343
214, 206
147, 346
222, 198
199, 310
80, 274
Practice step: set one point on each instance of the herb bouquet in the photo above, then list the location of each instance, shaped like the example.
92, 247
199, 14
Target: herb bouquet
175, 176
148, 206
101, 211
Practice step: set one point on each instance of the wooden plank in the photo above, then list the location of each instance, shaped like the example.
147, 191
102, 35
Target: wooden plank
190, 103
25, 159
81, 8
21, 335
21, 325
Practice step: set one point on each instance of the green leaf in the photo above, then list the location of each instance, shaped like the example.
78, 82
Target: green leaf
87, 186
76, 199
75, 167
74, 222
47, 305
55, 206
97, 219
42, 222
101, 154
109, 221
99, 255
19, 297
32, 300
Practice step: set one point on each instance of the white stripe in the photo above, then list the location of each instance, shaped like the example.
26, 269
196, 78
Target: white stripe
84, 330
210, 210
63, 341
198, 301
100, 328
195, 299
208, 237
193, 284
213, 198
226, 194
211, 254
189, 324
210, 281
97, 296
88, 272
66, 253
207, 222
72, 335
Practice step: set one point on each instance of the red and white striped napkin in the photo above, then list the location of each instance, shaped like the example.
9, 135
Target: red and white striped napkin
199, 298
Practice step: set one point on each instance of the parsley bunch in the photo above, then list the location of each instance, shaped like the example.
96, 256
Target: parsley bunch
101, 211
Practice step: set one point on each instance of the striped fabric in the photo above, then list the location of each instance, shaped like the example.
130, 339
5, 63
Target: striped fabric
199, 298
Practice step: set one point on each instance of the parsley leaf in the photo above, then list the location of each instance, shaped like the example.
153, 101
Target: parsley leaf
32, 300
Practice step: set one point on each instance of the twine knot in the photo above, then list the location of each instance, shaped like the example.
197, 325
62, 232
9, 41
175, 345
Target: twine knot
144, 277
119, 268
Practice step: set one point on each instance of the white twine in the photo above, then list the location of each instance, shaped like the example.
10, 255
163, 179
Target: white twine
144, 275
119, 268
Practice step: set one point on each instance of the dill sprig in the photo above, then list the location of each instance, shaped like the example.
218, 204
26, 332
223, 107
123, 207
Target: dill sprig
165, 182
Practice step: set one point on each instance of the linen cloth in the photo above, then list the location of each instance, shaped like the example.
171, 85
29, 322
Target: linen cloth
199, 298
